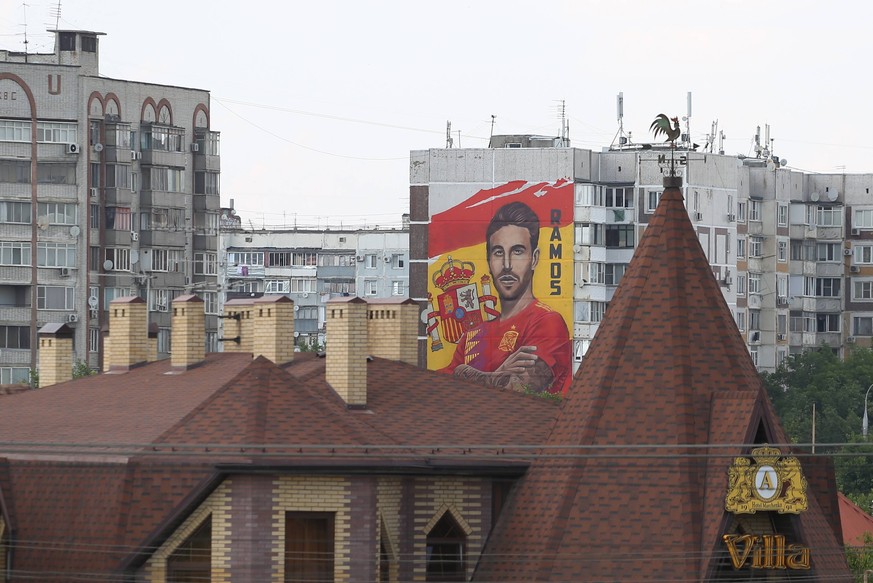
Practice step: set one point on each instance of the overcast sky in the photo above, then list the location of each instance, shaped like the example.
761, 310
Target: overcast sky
319, 103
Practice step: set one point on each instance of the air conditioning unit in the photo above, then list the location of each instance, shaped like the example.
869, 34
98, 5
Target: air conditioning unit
728, 279
847, 252
855, 269
781, 301
856, 231
134, 155
72, 318
850, 339
780, 337
755, 336
95, 192
360, 258
195, 147
698, 216
134, 236
72, 148
98, 147
65, 272
731, 217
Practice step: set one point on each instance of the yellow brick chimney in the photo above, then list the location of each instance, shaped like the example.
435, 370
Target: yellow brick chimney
238, 325
274, 328
188, 335
347, 349
55, 354
128, 339
392, 329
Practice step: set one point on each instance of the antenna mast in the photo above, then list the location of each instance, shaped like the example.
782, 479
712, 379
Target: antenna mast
493, 119
565, 126
24, 9
619, 110
687, 119
57, 14
449, 140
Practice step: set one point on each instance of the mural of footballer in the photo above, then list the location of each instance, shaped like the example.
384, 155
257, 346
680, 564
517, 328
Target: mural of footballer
528, 345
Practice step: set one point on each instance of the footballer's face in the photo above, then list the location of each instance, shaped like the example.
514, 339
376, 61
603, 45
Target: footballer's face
512, 261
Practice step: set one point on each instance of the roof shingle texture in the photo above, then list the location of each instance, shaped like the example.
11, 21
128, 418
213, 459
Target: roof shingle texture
666, 383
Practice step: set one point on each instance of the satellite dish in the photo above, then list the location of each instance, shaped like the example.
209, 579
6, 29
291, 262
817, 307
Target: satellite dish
813, 196
74, 231
296, 308
107, 265
783, 162
134, 256
832, 194
98, 147
296, 334
92, 302
42, 223
771, 165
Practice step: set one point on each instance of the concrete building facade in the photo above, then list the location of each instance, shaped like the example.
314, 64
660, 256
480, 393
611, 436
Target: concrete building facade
108, 188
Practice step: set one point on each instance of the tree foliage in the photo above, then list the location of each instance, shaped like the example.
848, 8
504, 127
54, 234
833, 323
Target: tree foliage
836, 388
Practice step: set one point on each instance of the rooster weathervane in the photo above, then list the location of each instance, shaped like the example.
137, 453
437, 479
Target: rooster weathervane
661, 125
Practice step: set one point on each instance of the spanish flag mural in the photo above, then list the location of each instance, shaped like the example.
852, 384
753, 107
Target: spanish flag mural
501, 287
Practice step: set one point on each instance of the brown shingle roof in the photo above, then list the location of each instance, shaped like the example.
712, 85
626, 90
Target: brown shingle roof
666, 374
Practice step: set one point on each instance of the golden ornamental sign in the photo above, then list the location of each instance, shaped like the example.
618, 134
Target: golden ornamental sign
773, 482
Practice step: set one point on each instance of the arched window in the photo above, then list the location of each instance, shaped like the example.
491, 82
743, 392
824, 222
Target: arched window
446, 551
191, 562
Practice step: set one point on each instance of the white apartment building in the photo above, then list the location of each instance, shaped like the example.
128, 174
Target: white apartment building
108, 188
311, 266
793, 252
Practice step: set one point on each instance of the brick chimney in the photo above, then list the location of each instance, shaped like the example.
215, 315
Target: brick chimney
274, 328
392, 329
128, 334
347, 349
55, 354
240, 326
188, 335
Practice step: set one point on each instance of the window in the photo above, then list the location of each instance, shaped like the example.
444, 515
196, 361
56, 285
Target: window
756, 246
590, 234
829, 252
828, 216
119, 257
210, 302
55, 298
397, 261
55, 255
304, 259
163, 219
782, 286
862, 290
828, 287
118, 218
206, 263
614, 272
370, 287
754, 210
862, 219
782, 215
118, 176
863, 254
862, 325
67, 40
741, 285
741, 212
192, 560
164, 340
803, 250
781, 323
339, 287
58, 213
14, 336
754, 283
370, 261
15, 212
653, 197
754, 319
237, 258
276, 286
167, 259
590, 311
206, 183
309, 546
14, 253
741, 247
782, 250
753, 352
303, 284
279, 258
398, 288
802, 323
94, 219
620, 236
620, 197
93, 339
446, 549
15, 131
827, 322
56, 173
111, 293
57, 132
741, 320
164, 138
159, 300
596, 272
15, 171
209, 143
165, 179
336, 260
11, 375
307, 313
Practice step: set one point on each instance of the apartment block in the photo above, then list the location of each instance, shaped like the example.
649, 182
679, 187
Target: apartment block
108, 188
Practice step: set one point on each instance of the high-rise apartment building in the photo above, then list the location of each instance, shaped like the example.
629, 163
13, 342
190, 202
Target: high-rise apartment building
793, 251
108, 188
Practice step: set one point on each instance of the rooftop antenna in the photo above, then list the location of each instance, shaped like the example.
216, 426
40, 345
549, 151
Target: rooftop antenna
721, 137
565, 128
24, 9
448, 134
56, 12
686, 138
619, 107
493, 119
710, 137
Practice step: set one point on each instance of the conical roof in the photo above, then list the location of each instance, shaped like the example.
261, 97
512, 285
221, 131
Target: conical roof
634, 478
